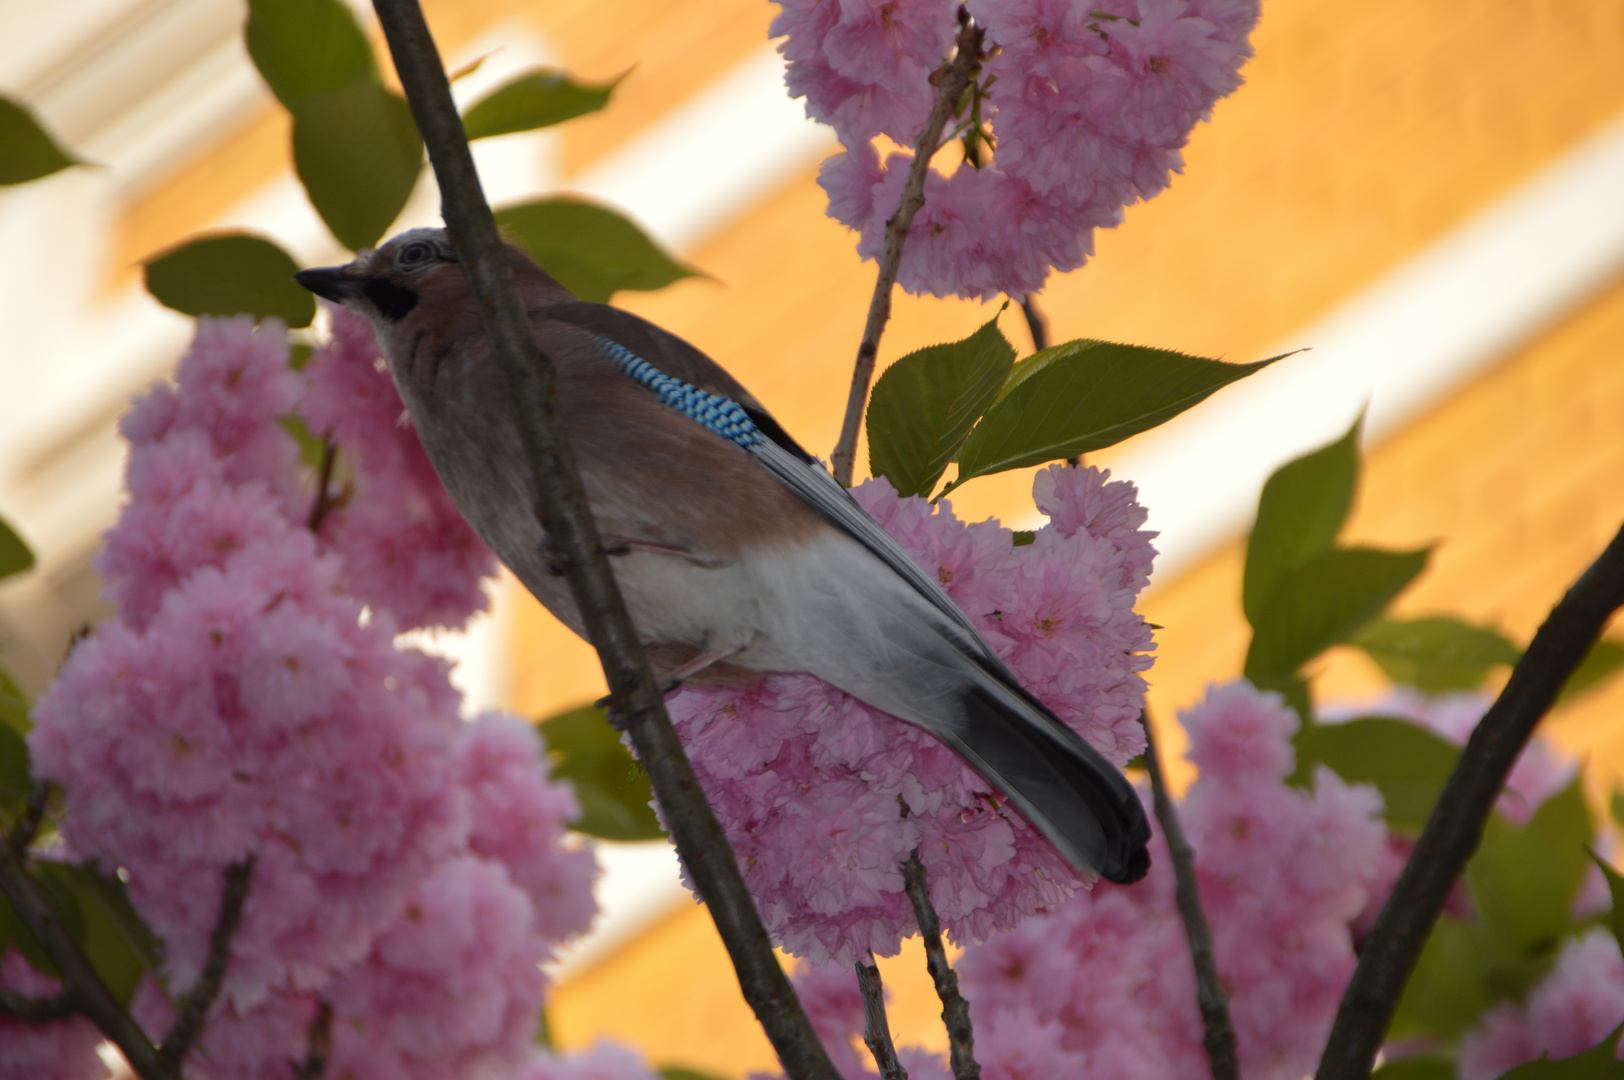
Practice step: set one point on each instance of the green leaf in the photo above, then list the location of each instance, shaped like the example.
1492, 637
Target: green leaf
1302, 508
1024, 538
614, 795
1615, 808
117, 943
1615, 889
16, 932
230, 274
1600, 1062
1523, 880
1416, 1068
1408, 764
27, 151
925, 404
15, 557
357, 153
1604, 658
16, 782
1323, 603
311, 449
13, 704
306, 47
1448, 989
591, 249
536, 99
1083, 396
1435, 655
675, 1072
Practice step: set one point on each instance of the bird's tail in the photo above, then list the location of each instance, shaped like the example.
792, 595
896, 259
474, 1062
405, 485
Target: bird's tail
1063, 786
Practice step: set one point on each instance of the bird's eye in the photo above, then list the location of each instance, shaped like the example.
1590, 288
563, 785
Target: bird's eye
418, 252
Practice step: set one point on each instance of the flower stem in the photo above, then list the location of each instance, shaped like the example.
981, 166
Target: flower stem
194, 1007
955, 1010
950, 80
876, 1028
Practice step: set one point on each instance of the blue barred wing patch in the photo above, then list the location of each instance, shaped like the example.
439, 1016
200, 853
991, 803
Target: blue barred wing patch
721, 415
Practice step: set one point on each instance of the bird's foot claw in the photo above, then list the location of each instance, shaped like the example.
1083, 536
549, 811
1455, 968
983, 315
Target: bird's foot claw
617, 717
558, 563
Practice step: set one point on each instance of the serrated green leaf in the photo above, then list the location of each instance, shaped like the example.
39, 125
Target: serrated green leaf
613, 794
1600, 663
1302, 508
1408, 764
1435, 655
357, 152
1083, 396
1615, 889
536, 99
1523, 880
15, 556
1324, 602
230, 274
1448, 989
1600, 1062
306, 47
27, 150
14, 704
924, 405
118, 944
1416, 1068
593, 250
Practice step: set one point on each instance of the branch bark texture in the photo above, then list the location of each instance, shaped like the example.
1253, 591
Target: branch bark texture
1453, 831
194, 1007
955, 1010
81, 982
1217, 1032
876, 1027
951, 80
564, 514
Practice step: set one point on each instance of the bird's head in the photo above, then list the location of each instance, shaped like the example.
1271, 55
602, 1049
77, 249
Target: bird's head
386, 284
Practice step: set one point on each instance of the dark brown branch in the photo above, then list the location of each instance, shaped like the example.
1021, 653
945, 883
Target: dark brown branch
195, 1006
876, 1028
951, 80
1035, 323
324, 482
318, 1045
37, 1010
1217, 1033
564, 514
1453, 831
80, 981
955, 1010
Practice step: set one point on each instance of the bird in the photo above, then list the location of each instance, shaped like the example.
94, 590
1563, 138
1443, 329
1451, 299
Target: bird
738, 553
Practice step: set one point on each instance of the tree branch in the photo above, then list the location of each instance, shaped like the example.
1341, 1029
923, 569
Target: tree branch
1217, 1033
80, 981
564, 513
194, 1008
955, 1010
876, 1029
951, 80
1453, 831
318, 1045
1035, 323
37, 1010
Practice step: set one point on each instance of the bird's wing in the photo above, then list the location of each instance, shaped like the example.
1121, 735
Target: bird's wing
666, 354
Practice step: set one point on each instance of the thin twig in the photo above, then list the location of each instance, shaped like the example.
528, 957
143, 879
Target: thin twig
1035, 323
194, 1007
568, 521
318, 1045
79, 979
1456, 824
876, 1028
955, 1010
951, 80
324, 481
1217, 1033
37, 1010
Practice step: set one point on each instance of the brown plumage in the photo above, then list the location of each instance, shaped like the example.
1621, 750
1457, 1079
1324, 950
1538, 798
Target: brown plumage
735, 557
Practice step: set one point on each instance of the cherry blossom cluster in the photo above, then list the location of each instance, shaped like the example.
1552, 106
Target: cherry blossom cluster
823, 798
248, 702
1089, 103
1104, 987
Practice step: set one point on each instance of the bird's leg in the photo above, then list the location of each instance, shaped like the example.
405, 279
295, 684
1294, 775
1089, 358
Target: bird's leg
558, 563
672, 681
622, 545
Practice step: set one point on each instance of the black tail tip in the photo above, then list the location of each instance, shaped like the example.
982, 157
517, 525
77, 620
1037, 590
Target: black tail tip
1137, 866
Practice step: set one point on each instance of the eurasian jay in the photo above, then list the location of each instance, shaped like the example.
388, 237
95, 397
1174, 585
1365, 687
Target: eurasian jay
737, 552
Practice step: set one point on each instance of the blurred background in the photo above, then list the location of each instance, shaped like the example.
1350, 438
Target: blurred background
1428, 195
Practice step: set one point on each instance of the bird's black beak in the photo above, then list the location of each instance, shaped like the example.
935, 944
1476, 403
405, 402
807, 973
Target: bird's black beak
330, 283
